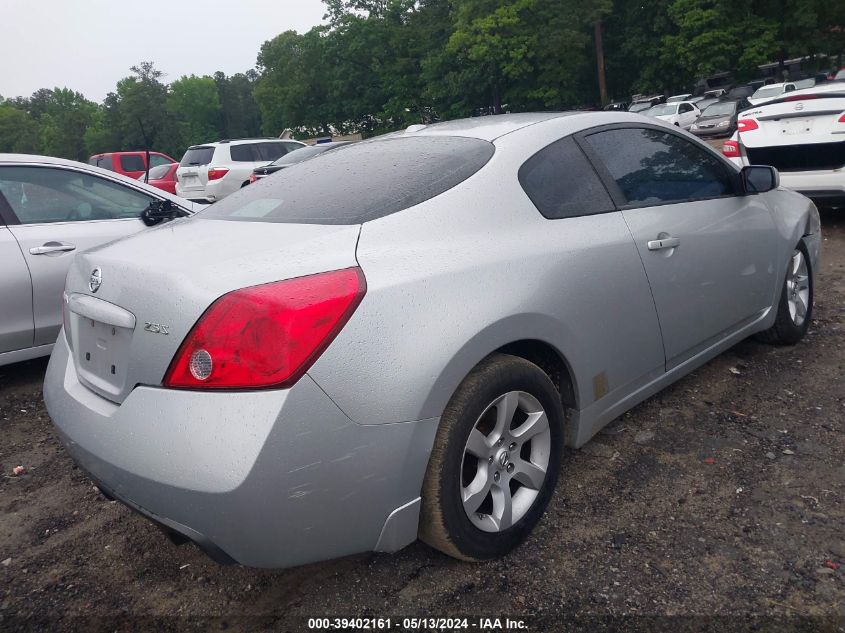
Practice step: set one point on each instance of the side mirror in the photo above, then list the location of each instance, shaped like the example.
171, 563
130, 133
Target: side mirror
759, 178
161, 211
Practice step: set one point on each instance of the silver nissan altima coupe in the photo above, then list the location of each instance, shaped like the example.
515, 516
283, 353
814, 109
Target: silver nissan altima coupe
396, 339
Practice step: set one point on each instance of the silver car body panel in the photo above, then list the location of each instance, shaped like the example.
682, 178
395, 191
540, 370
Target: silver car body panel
44, 273
265, 475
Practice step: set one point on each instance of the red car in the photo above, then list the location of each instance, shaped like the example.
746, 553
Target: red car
131, 164
163, 177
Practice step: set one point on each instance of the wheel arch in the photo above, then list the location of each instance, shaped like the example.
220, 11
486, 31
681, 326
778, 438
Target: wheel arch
542, 348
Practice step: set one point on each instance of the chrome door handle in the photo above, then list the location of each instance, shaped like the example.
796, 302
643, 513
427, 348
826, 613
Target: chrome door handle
666, 242
52, 247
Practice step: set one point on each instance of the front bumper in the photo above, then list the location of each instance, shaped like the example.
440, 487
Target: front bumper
266, 479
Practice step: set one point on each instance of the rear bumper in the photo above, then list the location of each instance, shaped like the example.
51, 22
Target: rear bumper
266, 479
825, 188
212, 191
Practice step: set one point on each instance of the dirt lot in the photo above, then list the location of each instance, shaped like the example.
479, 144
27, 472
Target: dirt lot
723, 495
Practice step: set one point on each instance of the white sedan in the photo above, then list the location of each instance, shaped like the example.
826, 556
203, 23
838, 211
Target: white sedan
803, 135
682, 114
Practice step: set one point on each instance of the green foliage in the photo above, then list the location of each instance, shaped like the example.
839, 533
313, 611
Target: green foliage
194, 103
380, 65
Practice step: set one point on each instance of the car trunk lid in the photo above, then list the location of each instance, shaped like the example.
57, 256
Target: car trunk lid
797, 120
130, 304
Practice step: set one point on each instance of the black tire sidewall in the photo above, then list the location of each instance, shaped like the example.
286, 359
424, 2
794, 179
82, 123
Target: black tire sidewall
517, 375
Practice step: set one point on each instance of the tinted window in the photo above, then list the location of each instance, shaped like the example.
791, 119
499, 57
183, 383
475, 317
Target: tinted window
42, 195
197, 156
271, 151
132, 162
101, 161
244, 153
304, 153
561, 183
364, 181
653, 167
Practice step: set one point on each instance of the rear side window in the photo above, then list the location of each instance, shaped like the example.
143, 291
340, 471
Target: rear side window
562, 184
244, 153
101, 161
655, 167
197, 156
132, 162
365, 181
158, 159
271, 151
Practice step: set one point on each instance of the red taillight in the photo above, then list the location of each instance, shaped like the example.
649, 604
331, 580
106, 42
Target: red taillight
266, 336
216, 173
799, 98
842, 119
253, 178
746, 125
730, 149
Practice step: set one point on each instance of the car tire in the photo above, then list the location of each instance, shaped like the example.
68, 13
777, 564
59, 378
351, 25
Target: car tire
500, 438
795, 306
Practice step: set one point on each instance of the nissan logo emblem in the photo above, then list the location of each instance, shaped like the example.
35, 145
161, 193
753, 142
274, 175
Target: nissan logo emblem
95, 280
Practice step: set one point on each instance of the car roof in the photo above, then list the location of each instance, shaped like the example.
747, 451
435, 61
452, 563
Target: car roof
487, 128
243, 141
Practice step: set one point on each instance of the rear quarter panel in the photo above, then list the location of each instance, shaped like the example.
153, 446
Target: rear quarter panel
455, 278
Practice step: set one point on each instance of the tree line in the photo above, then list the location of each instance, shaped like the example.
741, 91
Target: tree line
379, 65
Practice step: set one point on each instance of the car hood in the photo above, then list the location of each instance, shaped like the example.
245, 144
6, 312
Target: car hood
169, 275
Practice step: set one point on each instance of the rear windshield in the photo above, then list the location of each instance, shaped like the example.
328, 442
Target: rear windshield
157, 172
197, 156
365, 181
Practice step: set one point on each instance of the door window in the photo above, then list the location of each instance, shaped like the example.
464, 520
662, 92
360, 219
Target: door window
243, 153
561, 182
685, 107
132, 162
38, 195
655, 167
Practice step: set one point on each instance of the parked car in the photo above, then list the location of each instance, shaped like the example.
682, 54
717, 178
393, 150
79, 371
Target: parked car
682, 114
676, 98
211, 172
294, 158
162, 177
840, 75
641, 103
50, 209
617, 106
719, 119
702, 103
130, 164
285, 390
803, 135
740, 92
770, 92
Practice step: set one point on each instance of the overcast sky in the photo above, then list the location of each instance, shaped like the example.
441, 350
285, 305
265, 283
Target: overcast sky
87, 45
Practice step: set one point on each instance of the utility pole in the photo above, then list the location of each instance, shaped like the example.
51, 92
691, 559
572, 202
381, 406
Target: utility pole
600, 64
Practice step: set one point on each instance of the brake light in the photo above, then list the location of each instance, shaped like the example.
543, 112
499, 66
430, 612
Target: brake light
746, 125
253, 178
216, 173
842, 119
730, 149
799, 97
268, 335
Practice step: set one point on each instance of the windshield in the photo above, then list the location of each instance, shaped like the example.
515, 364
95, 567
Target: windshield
367, 180
720, 109
639, 107
768, 93
666, 109
299, 155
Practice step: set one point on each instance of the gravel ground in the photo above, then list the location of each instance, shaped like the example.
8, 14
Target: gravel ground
721, 495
